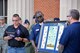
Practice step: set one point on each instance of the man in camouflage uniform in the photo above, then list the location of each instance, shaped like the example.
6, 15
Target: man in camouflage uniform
3, 44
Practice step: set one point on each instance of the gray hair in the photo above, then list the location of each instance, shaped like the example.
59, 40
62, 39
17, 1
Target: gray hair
75, 14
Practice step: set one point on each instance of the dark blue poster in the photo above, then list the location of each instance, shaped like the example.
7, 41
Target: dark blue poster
49, 36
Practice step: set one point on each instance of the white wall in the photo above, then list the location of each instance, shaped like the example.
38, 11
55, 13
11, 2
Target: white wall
65, 6
78, 4
24, 8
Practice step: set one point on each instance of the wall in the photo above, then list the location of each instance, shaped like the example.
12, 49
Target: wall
78, 5
22, 7
50, 8
26, 8
65, 6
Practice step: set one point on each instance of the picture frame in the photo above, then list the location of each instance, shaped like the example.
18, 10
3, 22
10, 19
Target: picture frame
50, 34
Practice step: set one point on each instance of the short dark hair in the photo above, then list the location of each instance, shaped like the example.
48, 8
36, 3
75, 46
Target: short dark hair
75, 14
15, 15
20, 18
26, 21
39, 17
39, 12
56, 19
34, 17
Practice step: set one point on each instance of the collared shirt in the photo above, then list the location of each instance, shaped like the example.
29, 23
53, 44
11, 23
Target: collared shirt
35, 33
2, 29
21, 31
71, 38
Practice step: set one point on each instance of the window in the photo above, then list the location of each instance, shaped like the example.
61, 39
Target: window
3, 8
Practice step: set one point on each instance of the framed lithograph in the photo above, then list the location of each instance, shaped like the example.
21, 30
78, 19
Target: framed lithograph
49, 36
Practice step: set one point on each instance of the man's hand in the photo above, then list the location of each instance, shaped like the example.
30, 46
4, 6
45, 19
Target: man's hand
25, 40
18, 38
60, 48
7, 38
33, 43
36, 50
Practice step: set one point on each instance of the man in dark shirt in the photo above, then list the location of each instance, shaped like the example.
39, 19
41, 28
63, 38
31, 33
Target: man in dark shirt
16, 35
70, 39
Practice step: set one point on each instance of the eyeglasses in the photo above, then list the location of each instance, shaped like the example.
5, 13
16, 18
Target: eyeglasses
15, 20
1, 19
68, 15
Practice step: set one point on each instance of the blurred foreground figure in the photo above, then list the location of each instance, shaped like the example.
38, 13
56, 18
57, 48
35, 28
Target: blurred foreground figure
3, 44
70, 39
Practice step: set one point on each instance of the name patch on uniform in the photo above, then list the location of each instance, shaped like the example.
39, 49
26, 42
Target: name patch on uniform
37, 29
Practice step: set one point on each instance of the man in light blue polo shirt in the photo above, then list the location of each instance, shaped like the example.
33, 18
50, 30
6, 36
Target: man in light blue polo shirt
3, 44
70, 39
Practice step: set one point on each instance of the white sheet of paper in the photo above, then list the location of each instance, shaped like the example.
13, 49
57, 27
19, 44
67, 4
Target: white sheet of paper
52, 37
44, 37
61, 28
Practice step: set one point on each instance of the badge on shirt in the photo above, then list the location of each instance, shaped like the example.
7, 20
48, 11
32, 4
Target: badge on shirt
37, 29
11, 35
